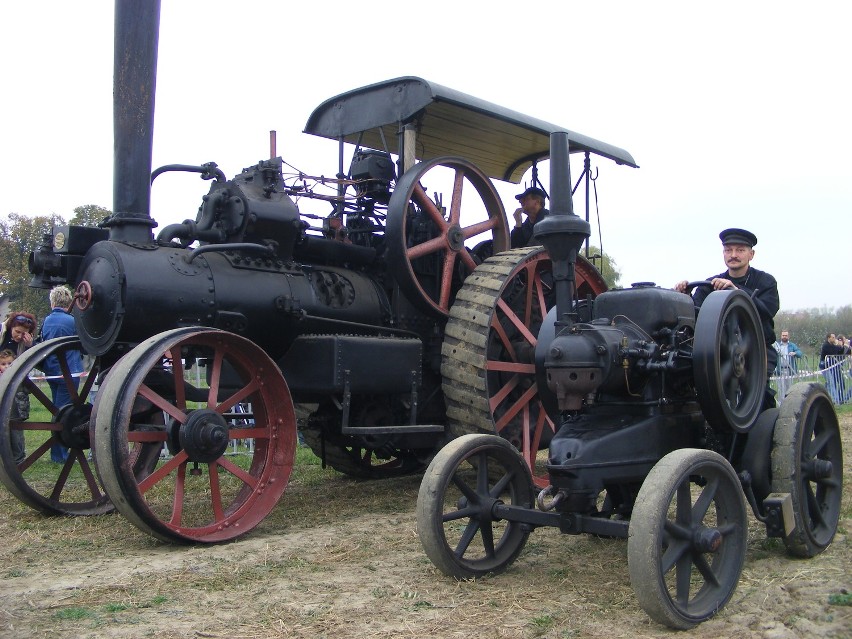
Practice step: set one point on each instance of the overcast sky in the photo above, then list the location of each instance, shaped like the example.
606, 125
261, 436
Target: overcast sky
739, 114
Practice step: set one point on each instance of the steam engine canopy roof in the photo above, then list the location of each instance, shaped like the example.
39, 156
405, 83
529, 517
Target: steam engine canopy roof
501, 142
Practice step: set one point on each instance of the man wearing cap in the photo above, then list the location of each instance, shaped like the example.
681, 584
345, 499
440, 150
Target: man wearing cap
738, 252
532, 203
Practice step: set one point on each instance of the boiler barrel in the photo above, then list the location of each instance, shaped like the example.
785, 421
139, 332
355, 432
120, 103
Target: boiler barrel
141, 290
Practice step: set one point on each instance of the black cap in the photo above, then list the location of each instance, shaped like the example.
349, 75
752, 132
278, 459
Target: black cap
738, 236
533, 190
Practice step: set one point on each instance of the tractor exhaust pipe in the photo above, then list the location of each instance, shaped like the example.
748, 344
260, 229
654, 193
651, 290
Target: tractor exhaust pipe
562, 233
137, 26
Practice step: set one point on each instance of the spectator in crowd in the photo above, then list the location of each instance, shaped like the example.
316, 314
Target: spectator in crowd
760, 286
18, 332
60, 324
20, 412
532, 204
844, 344
787, 366
829, 364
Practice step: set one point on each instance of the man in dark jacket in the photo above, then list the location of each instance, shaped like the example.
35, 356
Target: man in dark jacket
532, 204
738, 252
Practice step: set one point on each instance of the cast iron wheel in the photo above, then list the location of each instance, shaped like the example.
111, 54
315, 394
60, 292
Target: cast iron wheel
52, 488
729, 361
201, 493
488, 355
687, 538
455, 523
349, 456
807, 462
430, 269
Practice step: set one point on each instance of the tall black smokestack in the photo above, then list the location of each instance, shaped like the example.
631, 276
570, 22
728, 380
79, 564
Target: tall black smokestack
562, 233
137, 26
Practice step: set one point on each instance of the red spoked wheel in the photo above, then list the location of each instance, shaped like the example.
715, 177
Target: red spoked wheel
426, 246
53, 488
488, 355
230, 431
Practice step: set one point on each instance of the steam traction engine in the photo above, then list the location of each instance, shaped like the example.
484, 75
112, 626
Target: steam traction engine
663, 439
201, 339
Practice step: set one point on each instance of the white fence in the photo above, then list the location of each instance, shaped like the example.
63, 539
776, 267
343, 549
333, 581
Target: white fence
836, 376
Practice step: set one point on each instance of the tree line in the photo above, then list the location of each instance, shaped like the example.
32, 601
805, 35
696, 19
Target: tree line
808, 327
19, 236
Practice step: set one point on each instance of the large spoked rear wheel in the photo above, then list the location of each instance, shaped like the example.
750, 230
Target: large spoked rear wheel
807, 463
230, 434
729, 361
67, 487
488, 355
465, 480
687, 538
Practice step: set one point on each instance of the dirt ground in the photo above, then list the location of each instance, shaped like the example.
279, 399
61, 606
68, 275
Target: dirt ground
340, 558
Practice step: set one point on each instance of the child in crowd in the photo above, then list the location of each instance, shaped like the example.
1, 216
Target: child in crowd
20, 411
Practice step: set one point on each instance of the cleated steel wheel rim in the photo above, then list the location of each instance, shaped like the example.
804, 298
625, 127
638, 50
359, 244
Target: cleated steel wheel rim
488, 355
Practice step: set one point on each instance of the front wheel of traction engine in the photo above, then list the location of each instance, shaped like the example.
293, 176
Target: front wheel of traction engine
231, 435
455, 522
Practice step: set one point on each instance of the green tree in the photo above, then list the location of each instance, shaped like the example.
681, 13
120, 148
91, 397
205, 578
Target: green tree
605, 264
89, 215
19, 236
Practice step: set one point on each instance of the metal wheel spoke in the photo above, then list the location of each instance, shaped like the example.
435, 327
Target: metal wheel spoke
814, 509
455, 202
428, 247
817, 445
502, 393
466, 490
43, 399
708, 493
67, 377
163, 471
480, 227
517, 322
467, 536
63, 476
179, 495
88, 475
501, 484
461, 513
515, 408
487, 538
215, 491
215, 378
247, 478
430, 208
672, 555
508, 348
240, 396
446, 283
706, 570
482, 473
180, 390
162, 403
683, 505
683, 577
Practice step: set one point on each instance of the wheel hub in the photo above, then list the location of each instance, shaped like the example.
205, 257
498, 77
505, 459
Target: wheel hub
204, 437
455, 238
75, 425
738, 362
820, 469
707, 540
